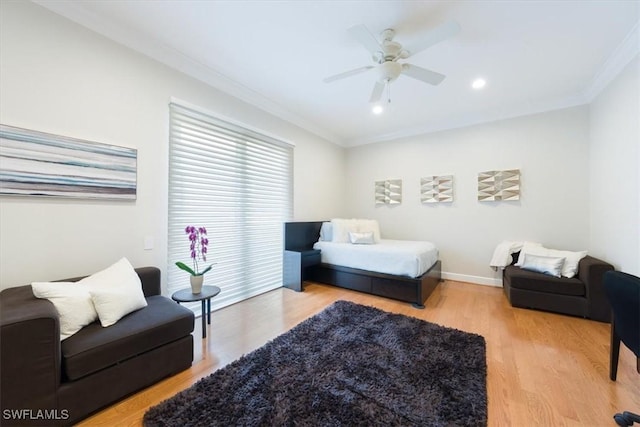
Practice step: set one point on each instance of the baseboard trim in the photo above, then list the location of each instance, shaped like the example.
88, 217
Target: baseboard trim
478, 280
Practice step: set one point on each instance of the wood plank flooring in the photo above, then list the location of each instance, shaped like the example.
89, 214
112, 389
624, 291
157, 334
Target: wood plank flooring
544, 369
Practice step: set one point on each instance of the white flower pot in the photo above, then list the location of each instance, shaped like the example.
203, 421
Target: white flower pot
196, 283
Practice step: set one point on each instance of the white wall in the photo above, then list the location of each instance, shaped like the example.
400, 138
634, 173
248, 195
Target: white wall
615, 181
551, 151
58, 77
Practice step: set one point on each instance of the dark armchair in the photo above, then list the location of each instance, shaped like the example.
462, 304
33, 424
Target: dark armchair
623, 291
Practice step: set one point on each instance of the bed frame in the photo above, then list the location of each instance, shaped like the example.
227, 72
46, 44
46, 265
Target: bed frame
299, 239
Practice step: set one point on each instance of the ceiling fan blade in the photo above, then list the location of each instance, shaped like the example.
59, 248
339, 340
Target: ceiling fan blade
422, 74
347, 74
438, 34
377, 92
366, 39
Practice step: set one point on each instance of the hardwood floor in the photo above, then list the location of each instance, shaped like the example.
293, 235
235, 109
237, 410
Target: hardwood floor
543, 369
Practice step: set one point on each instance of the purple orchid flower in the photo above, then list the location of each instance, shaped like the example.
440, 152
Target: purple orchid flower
198, 250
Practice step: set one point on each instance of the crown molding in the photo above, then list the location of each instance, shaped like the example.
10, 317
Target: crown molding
181, 62
472, 120
615, 63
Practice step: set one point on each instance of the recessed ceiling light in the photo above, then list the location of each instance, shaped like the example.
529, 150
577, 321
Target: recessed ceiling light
377, 109
478, 83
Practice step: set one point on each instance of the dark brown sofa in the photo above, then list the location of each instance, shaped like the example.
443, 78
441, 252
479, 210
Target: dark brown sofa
582, 295
48, 382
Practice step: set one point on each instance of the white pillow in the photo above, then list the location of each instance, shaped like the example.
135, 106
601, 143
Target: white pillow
326, 232
528, 248
73, 303
365, 238
369, 225
543, 264
115, 291
341, 228
570, 268
112, 304
572, 259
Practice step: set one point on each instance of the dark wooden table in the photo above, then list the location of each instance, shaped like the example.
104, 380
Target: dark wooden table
208, 292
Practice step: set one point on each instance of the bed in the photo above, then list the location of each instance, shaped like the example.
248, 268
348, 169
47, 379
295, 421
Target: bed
351, 266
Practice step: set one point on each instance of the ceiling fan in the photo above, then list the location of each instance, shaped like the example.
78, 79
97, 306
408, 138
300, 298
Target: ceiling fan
387, 52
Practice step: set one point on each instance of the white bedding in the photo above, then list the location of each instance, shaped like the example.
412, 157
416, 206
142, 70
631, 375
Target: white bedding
399, 257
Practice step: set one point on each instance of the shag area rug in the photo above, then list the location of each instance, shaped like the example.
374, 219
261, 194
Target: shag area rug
348, 365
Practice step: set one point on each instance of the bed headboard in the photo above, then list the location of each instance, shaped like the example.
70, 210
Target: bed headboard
300, 236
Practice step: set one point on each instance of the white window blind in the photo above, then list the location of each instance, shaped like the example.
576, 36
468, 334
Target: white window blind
238, 184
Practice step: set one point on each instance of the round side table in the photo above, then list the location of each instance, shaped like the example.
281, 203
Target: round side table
208, 292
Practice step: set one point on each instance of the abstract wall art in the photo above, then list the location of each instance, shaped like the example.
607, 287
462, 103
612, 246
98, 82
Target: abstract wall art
436, 189
499, 185
388, 192
40, 164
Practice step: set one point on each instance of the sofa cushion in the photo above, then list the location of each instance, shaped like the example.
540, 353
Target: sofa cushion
95, 348
532, 281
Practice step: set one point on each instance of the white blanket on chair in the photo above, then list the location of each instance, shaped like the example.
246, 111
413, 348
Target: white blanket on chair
502, 253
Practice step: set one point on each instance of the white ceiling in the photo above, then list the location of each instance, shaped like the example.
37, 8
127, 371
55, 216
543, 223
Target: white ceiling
535, 55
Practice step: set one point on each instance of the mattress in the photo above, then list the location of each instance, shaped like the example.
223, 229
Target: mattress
399, 257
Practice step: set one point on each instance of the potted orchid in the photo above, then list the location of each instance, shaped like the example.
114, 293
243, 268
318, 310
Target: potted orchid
198, 246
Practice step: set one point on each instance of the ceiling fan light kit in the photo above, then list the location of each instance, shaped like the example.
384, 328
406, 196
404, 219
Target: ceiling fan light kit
386, 53
389, 71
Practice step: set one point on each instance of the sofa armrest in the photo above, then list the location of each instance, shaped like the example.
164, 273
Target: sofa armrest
150, 278
591, 271
29, 351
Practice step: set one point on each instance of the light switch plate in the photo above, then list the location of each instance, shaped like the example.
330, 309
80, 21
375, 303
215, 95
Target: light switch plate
148, 243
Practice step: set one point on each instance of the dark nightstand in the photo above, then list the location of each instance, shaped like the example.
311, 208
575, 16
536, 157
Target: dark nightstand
295, 263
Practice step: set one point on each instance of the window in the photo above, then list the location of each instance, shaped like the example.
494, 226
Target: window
237, 183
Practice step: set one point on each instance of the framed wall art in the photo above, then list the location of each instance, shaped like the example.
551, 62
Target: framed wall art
499, 185
41, 164
388, 192
436, 189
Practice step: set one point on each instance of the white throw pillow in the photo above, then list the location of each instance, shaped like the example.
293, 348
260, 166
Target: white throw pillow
369, 225
543, 264
326, 232
115, 303
341, 228
115, 291
572, 259
365, 238
73, 303
529, 248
